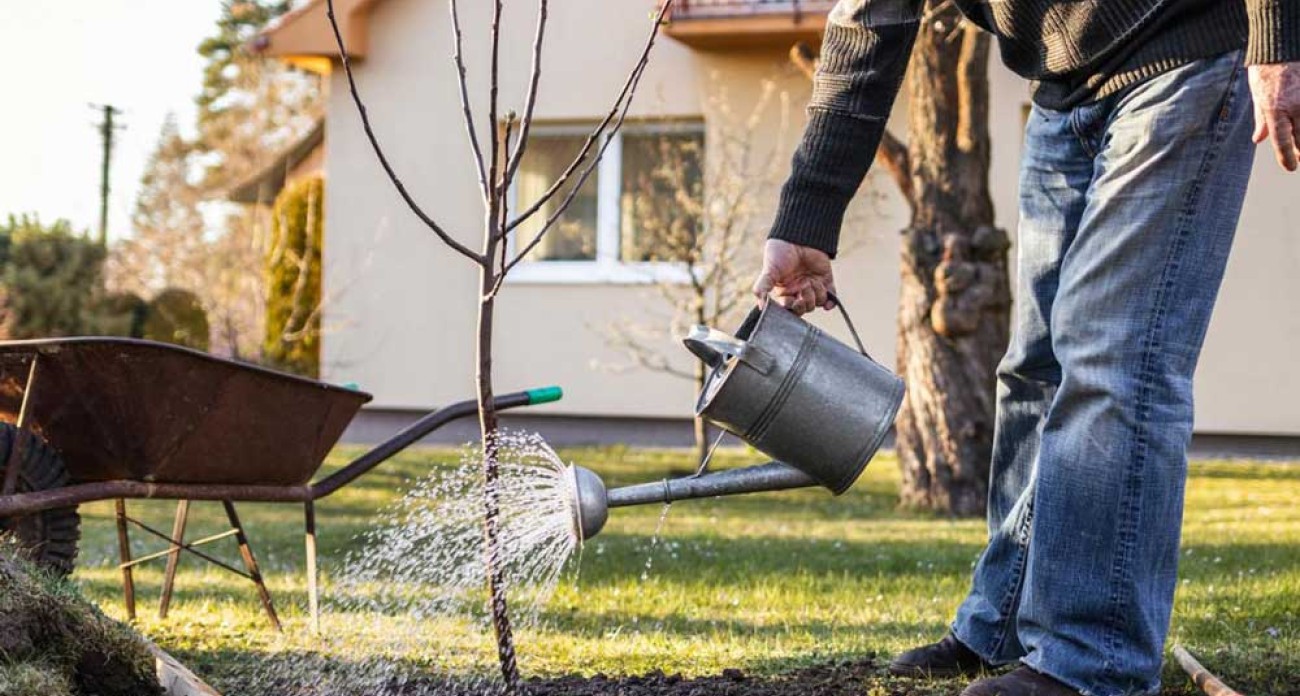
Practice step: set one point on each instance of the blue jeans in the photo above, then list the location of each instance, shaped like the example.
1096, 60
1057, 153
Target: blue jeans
1128, 209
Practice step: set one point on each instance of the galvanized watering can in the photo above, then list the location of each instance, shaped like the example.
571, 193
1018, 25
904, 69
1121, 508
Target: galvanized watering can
819, 408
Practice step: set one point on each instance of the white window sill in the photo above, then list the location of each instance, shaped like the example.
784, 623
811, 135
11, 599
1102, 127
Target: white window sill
596, 272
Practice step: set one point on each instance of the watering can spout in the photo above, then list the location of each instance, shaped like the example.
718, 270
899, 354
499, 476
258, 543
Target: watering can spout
591, 499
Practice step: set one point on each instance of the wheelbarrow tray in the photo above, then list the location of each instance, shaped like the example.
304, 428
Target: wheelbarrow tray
128, 409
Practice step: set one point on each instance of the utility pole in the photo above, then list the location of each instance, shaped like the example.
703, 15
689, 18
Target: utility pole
106, 134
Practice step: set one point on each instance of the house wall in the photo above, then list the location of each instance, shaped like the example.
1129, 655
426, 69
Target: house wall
400, 308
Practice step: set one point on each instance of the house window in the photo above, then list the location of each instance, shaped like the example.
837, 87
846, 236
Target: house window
573, 238
629, 220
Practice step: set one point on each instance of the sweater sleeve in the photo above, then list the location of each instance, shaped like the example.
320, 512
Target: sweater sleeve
1274, 31
864, 56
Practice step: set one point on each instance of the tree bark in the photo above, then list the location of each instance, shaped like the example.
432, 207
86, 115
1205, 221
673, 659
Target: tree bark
489, 426
955, 297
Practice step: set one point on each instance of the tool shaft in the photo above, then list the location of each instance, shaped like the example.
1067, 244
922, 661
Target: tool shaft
773, 476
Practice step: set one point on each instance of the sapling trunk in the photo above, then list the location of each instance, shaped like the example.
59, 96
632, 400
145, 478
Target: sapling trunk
489, 430
495, 172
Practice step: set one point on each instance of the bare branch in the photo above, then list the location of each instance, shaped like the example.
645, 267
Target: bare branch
935, 11
462, 78
503, 205
620, 108
619, 111
379, 151
802, 57
624, 338
535, 76
494, 90
892, 153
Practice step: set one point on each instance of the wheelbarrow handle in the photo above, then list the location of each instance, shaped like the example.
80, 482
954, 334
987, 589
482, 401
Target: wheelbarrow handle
416, 431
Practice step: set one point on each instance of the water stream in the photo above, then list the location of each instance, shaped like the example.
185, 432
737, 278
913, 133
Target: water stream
654, 541
408, 604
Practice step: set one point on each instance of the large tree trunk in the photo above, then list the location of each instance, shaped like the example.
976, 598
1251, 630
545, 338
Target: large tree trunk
953, 311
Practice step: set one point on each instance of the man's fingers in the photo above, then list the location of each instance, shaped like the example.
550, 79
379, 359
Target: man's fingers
807, 300
763, 285
1284, 140
1261, 126
819, 294
830, 290
1295, 135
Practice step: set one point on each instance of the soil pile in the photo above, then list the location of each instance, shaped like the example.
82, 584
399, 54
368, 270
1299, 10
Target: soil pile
55, 643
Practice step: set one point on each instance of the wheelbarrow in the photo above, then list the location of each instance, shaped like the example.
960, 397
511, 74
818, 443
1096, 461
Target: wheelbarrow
88, 419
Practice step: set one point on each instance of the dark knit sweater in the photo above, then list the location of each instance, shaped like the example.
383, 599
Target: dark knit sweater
1073, 51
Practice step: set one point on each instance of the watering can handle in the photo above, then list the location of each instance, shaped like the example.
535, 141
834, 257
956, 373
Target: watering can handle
839, 304
748, 325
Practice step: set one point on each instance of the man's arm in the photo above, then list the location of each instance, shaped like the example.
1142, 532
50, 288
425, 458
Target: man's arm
864, 56
1273, 54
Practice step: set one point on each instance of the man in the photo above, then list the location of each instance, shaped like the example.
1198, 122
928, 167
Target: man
1137, 154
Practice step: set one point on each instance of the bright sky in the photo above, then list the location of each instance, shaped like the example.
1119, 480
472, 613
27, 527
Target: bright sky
58, 57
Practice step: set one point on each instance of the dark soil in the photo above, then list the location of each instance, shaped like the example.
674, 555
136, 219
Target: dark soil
844, 679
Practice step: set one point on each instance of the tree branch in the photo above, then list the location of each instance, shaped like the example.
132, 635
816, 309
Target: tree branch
618, 110
535, 76
462, 78
892, 153
494, 90
620, 337
379, 151
503, 204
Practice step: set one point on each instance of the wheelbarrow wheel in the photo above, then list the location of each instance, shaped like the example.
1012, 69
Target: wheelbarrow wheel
49, 537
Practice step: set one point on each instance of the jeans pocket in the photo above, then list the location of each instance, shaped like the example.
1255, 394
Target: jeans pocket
1190, 102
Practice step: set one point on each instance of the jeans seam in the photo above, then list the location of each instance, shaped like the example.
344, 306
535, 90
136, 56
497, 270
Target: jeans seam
1017, 584
1079, 134
1130, 505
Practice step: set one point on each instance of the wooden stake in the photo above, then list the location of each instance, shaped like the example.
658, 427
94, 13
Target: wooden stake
1202, 677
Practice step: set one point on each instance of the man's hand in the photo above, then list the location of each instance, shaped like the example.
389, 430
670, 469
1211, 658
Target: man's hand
797, 277
1276, 90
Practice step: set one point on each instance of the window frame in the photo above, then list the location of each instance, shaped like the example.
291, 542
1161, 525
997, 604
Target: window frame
606, 268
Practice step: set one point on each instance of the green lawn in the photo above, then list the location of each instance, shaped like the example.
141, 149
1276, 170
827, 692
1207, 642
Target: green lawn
763, 583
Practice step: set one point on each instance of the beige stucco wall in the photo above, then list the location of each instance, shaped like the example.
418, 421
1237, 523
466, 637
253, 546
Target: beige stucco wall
400, 308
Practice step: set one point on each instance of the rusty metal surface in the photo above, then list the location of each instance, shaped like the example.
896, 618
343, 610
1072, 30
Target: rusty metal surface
150, 412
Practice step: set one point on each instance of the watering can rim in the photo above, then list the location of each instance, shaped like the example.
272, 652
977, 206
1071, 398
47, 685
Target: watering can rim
717, 379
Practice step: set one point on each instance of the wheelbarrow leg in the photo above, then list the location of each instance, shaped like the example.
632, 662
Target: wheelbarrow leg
173, 558
124, 551
251, 563
313, 573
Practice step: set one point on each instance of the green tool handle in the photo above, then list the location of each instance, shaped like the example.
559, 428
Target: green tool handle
544, 395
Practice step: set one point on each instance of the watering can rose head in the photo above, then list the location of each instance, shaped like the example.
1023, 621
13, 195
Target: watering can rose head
818, 407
